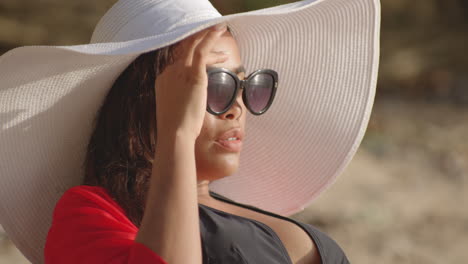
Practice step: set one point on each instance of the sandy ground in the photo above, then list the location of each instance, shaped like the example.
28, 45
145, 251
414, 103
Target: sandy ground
403, 197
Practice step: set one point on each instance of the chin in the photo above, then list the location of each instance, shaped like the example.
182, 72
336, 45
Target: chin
214, 163
215, 169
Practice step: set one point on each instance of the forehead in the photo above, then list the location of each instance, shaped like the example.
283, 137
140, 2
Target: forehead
228, 45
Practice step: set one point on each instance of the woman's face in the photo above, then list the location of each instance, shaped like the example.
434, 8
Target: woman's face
213, 161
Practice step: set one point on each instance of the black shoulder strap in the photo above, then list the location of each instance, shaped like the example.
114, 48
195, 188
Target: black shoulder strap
329, 249
217, 195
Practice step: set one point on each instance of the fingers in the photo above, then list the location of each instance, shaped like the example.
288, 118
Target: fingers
184, 48
191, 43
214, 58
195, 51
205, 46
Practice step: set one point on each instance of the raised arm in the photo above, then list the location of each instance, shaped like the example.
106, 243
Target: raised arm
170, 225
90, 227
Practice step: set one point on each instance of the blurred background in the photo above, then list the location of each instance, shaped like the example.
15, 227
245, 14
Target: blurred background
403, 197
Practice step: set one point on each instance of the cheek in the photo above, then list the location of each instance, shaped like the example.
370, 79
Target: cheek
206, 132
208, 125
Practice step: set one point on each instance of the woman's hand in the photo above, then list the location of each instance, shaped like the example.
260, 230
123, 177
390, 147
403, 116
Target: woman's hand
181, 89
170, 225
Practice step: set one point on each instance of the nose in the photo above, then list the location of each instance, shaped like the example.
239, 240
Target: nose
236, 110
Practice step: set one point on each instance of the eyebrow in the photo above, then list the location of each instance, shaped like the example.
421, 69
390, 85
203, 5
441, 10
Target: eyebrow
235, 70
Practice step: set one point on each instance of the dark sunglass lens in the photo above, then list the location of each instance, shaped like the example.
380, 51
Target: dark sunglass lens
221, 87
259, 91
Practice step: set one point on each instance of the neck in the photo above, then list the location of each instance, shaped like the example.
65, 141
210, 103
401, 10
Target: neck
203, 190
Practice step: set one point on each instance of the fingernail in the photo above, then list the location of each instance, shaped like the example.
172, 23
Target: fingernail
221, 27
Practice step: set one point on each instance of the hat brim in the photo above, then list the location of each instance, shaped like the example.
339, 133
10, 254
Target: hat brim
326, 53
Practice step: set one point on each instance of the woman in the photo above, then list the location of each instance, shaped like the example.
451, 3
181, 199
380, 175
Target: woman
161, 137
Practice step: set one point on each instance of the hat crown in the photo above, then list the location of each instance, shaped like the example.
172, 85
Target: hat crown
134, 19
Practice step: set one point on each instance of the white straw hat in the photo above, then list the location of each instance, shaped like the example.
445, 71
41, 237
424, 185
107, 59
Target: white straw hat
326, 53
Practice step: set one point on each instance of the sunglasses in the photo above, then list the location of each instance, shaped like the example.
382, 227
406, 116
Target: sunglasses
259, 90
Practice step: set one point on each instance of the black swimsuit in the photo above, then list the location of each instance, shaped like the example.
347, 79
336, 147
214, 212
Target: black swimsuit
232, 239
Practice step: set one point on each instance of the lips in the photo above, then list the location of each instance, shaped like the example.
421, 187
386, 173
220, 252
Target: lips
234, 132
231, 145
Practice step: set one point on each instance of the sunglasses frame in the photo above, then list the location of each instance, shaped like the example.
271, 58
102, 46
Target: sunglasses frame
240, 85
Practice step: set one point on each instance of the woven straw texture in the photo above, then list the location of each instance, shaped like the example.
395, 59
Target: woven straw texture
326, 54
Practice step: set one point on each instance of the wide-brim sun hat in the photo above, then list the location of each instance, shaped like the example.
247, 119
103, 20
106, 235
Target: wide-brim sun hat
326, 53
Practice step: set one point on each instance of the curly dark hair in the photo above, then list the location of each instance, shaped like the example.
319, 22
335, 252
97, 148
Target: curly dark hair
121, 149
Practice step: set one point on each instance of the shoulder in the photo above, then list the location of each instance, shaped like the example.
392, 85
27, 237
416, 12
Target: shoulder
86, 201
86, 213
88, 226
83, 193
329, 249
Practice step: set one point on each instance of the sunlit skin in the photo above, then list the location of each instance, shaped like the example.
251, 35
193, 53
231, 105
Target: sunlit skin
212, 162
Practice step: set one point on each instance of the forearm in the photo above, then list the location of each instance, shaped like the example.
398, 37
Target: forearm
170, 225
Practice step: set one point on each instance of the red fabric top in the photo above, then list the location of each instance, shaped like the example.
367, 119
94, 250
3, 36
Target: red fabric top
89, 227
